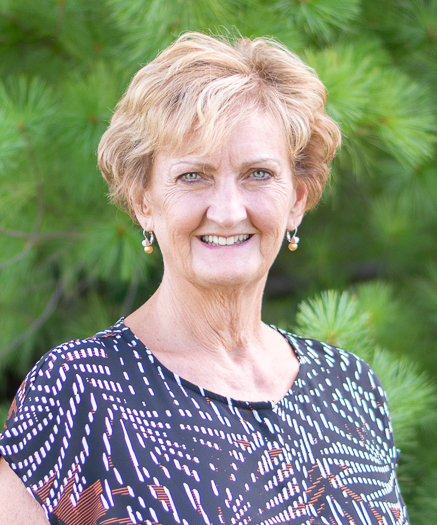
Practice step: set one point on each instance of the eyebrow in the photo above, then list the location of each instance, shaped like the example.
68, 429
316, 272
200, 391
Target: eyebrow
209, 166
194, 163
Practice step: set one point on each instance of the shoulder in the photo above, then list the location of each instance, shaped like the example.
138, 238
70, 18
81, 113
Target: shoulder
312, 351
344, 374
58, 415
63, 369
61, 391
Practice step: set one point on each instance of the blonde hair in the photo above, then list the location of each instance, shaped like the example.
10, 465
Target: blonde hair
199, 88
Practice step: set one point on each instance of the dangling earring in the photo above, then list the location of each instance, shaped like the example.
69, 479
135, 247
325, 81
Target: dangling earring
147, 242
293, 240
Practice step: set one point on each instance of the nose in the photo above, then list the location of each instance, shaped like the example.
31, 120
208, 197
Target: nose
227, 206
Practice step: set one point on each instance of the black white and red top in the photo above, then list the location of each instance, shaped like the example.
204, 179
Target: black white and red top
101, 433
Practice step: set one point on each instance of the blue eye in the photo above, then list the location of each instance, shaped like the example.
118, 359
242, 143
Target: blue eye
260, 174
190, 176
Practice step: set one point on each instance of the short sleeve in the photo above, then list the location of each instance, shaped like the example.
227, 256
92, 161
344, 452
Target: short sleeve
379, 412
374, 398
46, 438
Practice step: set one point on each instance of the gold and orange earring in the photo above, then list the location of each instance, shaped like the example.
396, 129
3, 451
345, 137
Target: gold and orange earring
147, 242
293, 240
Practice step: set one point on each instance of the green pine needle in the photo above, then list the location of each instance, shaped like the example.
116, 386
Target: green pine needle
415, 188
336, 319
28, 103
87, 105
402, 119
321, 18
348, 72
12, 144
112, 250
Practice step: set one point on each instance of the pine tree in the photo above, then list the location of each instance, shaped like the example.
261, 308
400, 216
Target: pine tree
70, 264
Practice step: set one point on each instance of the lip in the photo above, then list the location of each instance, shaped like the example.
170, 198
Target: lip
224, 241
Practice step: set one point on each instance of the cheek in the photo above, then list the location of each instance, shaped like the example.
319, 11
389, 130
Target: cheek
180, 213
272, 210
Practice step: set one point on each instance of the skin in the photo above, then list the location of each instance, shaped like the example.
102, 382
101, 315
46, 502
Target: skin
17, 507
210, 298
209, 301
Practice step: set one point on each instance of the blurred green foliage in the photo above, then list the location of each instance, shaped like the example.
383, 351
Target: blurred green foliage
70, 264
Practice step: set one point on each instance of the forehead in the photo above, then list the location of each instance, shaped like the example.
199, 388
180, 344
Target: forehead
256, 133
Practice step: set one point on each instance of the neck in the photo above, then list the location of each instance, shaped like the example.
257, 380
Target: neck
215, 338
221, 318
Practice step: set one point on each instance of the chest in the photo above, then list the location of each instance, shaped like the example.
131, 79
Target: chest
177, 457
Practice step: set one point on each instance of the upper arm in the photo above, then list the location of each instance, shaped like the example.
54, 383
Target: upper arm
45, 440
16, 504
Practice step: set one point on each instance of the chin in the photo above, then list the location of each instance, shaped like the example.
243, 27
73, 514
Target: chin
228, 278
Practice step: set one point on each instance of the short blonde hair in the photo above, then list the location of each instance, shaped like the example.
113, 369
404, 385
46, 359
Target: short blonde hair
193, 88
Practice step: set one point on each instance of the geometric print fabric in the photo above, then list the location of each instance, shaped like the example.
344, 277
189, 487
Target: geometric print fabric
101, 433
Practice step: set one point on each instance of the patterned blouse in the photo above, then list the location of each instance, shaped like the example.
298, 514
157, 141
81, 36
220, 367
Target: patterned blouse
101, 433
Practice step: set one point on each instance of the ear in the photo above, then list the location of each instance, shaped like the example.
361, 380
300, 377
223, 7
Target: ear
143, 213
299, 206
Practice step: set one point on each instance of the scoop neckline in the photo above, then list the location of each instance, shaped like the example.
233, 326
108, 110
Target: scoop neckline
208, 394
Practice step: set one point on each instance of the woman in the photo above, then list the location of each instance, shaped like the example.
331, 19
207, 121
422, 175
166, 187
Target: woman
191, 410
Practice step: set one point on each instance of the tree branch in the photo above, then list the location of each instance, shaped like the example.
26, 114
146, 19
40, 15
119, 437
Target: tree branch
16, 22
39, 201
17, 257
37, 180
35, 237
130, 297
49, 41
36, 325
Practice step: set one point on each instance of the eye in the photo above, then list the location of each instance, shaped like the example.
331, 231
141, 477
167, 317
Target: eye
261, 175
192, 176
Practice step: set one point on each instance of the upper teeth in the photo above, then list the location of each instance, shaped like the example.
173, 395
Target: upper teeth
215, 240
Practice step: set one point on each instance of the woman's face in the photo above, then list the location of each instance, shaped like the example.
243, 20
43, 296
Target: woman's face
220, 219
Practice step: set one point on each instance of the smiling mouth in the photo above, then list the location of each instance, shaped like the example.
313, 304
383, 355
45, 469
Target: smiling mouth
215, 240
